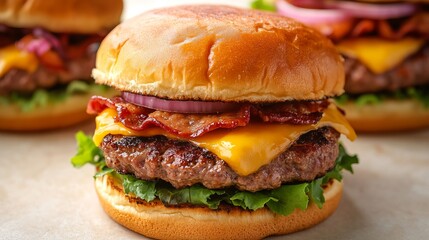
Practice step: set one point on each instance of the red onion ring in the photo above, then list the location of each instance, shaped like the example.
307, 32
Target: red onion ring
374, 11
308, 3
53, 41
38, 46
178, 106
41, 33
310, 16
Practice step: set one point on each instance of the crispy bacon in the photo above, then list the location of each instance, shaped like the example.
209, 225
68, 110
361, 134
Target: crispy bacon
49, 58
337, 30
62, 47
385, 30
298, 113
98, 104
193, 125
362, 27
416, 25
77, 50
419, 24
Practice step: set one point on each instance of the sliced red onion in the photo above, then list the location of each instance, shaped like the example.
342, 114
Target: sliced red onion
41, 33
308, 3
310, 16
38, 46
178, 106
374, 11
53, 41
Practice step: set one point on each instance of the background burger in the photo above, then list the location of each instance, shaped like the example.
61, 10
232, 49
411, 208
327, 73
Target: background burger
224, 127
47, 51
386, 52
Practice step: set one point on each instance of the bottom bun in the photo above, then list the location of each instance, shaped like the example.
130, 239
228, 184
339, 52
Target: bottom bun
154, 220
52, 116
388, 116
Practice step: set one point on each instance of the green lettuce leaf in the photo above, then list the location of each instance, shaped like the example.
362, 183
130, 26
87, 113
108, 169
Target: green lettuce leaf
283, 200
87, 152
149, 190
266, 5
199, 195
142, 189
251, 200
315, 192
420, 94
42, 97
27, 102
342, 99
104, 170
196, 195
368, 99
289, 198
344, 161
77, 87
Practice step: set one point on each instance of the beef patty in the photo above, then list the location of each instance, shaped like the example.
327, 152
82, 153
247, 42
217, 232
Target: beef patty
17, 80
413, 71
183, 164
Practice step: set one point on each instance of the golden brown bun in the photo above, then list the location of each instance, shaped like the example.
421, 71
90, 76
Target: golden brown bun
74, 16
51, 116
205, 52
154, 220
388, 116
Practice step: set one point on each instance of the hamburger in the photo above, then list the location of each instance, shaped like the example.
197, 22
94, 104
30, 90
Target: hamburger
47, 52
386, 55
224, 127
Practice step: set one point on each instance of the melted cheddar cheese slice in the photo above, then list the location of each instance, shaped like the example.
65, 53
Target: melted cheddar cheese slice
12, 57
380, 55
244, 149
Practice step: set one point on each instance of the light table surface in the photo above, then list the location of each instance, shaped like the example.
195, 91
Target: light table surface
43, 197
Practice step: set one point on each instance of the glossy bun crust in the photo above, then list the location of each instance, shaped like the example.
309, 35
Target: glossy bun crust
70, 16
387, 116
156, 221
219, 53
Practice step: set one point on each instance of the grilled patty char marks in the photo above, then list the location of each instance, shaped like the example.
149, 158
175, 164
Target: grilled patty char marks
183, 164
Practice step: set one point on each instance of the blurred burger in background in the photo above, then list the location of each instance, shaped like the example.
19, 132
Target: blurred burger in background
47, 52
386, 54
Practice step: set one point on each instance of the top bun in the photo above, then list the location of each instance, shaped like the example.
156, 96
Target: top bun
219, 53
70, 16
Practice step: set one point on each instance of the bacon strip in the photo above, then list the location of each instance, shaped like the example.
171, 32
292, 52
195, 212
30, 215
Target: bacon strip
193, 125
297, 113
416, 25
76, 51
419, 24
